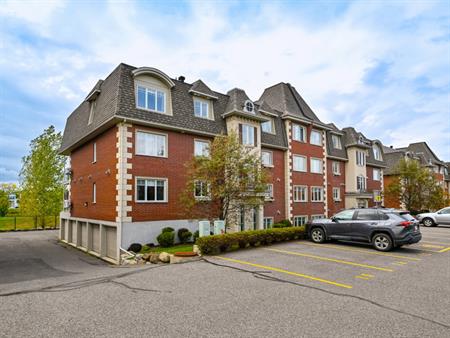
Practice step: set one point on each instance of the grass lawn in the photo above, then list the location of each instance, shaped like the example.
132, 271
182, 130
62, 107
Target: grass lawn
26, 223
171, 249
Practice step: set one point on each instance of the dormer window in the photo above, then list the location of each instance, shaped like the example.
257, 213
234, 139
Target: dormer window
377, 153
91, 111
336, 139
268, 126
203, 108
151, 99
249, 107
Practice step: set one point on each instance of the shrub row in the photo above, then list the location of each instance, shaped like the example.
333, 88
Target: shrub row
220, 243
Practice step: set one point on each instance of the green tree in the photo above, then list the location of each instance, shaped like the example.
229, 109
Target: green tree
415, 186
4, 203
231, 176
42, 176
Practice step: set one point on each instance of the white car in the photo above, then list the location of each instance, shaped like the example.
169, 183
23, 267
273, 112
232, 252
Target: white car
431, 219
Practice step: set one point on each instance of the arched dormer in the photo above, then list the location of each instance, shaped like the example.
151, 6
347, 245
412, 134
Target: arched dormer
153, 90
377, 154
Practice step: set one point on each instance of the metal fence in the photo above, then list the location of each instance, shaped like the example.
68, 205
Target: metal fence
16, 223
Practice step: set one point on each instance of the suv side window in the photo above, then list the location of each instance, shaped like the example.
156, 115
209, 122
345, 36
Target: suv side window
345, 215
367, 215
445, 211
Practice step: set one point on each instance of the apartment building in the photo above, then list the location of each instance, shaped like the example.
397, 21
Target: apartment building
129, 139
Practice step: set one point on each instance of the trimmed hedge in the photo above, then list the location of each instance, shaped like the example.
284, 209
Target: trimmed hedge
184, 235
210, 245
166, 239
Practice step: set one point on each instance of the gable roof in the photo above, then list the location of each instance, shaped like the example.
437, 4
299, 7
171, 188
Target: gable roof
199, 87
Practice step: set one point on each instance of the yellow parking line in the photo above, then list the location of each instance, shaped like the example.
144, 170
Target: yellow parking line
445, 250
330, 246
286, 272
367, 275
332, 260
439, 243
362, 277
432, 246
399, 263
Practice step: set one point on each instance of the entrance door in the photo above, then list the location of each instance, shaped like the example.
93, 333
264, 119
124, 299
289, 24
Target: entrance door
362, 203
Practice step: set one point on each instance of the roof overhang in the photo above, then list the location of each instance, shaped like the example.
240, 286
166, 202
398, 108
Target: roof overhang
194, 92
288, 116
93, 95
246, 115
155, 73
337, 158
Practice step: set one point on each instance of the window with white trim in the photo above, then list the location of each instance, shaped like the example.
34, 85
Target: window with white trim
151, 190
316, 137
298, 133
94, 193
300, 220
268, 222
299, 163
201, 108
249, 107
201, 148
248, 135
151, 144
300, 193
376, 174
336, 194
336, 168
269, 192
92, 106
94, 152
316, 166
267, 158
361, 183
313, 217
360, 158
377, 152
316, 194
201, 190
267, 126
336, 139
151, 99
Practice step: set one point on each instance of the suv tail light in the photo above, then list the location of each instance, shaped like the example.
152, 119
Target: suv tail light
405, 224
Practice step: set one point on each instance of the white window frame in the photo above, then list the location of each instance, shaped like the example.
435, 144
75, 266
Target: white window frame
313, 189
208, 191
376, 170
270, 164
305, 161
360, 158
312, 159
363, 180
94, 193
315, 131
336, 168
155, 89
305, 193
298, 217
94, 152
336, 196
268, 194
271, 124
201, 141
377, 152
166, 143
92, 106
247, 135
268, 225
338, 143
166, 189
294, 133
209, 108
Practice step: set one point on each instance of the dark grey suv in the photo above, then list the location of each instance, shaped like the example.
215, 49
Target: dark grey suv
383, 228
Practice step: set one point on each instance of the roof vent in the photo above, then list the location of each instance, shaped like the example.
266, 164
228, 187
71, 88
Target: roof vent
181, 78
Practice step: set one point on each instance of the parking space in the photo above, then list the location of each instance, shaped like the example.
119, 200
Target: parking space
339, 265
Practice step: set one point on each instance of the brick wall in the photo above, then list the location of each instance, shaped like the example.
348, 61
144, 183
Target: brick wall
276, 208
372, 185
390, 202
335, 181
102, 173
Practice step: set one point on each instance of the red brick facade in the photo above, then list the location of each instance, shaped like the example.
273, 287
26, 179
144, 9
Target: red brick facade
373, 185
335, 181
277, 207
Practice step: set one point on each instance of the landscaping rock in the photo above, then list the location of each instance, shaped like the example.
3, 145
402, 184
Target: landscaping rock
135, 247
196, 249
146, 257
164, 257
154, 258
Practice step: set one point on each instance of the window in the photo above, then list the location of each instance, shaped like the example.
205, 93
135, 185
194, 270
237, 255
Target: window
361, 183
94, 152
300, 193
367, 215
269, 192
345, 215
151, 99
316, 137
201, 148
91, 111
298, 133
94, 193
248, 135
249, 107
336, 139
300, 220
377, 153
313, 217
336, 194
360, 158
201, 108
299, 163
316, 194
376, 174
268, 222
201, 190
336, 168
151, 144
267, 158
316, 166
267, 126
151, 190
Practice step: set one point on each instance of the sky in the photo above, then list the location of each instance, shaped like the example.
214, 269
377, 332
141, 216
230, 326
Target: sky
380, 66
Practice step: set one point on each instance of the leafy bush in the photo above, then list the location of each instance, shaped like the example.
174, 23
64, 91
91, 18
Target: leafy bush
168, 229
221, 243
184, 235
280, 225
166, 239
286, 222
135, 247
195, 236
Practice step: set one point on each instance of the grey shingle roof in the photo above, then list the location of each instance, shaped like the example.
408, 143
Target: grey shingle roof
335, 152
201, 88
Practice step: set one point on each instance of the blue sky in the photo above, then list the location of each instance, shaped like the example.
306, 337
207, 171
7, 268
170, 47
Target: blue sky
381, 66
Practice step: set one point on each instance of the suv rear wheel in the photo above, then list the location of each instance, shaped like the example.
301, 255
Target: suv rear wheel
317, 235
428, 222
382, 242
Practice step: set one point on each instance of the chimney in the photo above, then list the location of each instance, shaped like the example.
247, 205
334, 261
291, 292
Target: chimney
391, 147
181, 78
